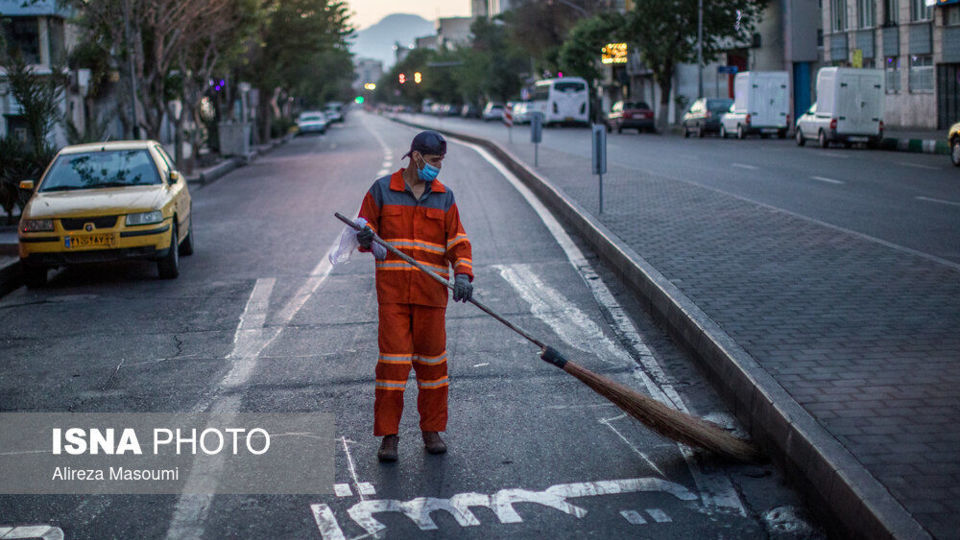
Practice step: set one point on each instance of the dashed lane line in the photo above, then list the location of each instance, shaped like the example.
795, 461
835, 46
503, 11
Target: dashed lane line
827, 180
938, 201
744, 166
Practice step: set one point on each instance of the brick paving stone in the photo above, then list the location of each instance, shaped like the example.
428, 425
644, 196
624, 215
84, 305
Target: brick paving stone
815, 306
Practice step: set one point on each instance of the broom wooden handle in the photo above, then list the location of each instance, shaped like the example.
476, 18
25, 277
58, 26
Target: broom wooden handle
446, 283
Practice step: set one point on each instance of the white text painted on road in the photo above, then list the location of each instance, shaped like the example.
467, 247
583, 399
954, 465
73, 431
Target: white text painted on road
500, 503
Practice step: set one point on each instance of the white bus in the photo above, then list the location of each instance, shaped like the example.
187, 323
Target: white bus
565, 100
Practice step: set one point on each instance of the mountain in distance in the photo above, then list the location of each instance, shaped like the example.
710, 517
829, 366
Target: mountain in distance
377, 41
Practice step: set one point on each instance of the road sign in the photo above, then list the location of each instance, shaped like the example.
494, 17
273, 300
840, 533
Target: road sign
536, 127
730, 70
508, 115
536, 135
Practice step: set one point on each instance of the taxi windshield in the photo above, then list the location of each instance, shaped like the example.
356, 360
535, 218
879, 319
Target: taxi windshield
89, 170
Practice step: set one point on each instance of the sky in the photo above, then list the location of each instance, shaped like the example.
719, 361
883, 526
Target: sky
369, 12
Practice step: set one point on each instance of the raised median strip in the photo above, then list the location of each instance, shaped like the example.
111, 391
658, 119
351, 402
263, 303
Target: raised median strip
917, 146
855, 502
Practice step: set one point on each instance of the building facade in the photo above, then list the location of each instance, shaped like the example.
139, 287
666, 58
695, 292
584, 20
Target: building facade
915, 43
367, 70
454, 31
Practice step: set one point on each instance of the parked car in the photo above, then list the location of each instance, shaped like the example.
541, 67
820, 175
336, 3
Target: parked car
703, 116
521, 113
493, 111
104, 202
312, 122
336, 108
470, 111
630, 115
849, 108
760, 105
953, 137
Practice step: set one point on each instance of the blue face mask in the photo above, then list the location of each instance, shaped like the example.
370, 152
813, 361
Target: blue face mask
428, 173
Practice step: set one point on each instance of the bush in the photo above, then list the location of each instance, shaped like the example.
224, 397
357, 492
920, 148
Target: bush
280, 127
17, 163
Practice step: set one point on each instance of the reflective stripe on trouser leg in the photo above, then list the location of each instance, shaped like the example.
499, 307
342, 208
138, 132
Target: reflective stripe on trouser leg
395, 341
430, 364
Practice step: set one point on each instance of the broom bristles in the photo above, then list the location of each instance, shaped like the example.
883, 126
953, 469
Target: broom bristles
666, 421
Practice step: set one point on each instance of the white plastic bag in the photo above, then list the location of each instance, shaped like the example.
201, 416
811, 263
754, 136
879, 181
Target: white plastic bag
348, 243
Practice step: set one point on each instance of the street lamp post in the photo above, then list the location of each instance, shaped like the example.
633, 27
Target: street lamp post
699, 48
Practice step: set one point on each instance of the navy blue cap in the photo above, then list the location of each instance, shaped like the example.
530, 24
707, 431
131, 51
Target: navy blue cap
428, 142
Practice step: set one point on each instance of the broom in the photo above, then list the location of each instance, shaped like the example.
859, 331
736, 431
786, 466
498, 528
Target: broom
666, 421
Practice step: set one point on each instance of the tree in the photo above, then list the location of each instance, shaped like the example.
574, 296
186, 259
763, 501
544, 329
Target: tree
293, 37
665, 33
493, 65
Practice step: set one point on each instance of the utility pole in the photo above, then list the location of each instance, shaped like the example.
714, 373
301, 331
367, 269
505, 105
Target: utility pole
135, 129
700, 48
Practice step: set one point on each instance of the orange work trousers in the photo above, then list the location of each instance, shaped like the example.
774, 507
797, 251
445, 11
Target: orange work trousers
415, 336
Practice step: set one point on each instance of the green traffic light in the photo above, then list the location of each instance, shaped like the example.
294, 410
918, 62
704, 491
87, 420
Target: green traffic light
358, 99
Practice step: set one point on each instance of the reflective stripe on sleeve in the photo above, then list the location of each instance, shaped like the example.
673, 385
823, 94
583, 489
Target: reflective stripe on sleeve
456, 240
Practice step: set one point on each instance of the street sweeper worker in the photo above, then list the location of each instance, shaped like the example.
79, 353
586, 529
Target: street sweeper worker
412, 210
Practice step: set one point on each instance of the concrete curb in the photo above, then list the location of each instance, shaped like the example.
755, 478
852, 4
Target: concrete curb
924, 146
854, 503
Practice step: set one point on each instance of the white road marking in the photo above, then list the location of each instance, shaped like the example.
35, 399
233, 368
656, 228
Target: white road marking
250, 339
500, 503
366, 488
44, 532
918, 166
342, 490
743, 166
659, 515
382, 172
482, 364
606, 422
633, 517
835, 155
940, 201
353, 469
827, 180
716, 490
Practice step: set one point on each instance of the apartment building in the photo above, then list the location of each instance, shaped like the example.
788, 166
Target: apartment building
916, 43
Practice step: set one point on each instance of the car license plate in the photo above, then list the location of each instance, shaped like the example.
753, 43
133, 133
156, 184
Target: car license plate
569, 119
770, 130
858, 139
90, 240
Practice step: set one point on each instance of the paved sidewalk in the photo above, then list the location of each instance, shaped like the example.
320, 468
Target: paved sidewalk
864, 336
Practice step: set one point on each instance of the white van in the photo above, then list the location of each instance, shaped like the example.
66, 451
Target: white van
564, 100
760, 106
849, 108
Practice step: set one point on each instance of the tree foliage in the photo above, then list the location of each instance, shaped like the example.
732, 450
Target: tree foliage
665, 33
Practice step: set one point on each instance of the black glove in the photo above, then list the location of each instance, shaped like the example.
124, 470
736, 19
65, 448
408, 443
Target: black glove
462, 288
365, 237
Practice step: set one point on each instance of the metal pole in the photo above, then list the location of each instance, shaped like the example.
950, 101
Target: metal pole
601, 193
135, 129
536, 155
700, 48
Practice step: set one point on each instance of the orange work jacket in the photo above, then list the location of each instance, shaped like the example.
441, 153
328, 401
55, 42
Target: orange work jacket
428, 230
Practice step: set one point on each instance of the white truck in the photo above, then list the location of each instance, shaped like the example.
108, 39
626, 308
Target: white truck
761, 105
849, 108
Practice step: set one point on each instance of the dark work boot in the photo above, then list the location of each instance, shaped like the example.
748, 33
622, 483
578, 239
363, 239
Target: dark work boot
433, 443
388, 448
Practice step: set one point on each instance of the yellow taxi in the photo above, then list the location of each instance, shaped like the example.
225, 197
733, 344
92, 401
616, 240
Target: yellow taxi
105, 202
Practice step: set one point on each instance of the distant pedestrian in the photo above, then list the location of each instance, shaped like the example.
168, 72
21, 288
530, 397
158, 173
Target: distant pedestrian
412, 210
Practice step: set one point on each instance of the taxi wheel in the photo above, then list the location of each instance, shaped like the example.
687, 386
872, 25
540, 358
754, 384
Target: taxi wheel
34, 276
186, 247
169, 265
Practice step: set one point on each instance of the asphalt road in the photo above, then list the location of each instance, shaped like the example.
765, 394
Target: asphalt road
906, 199
535, 453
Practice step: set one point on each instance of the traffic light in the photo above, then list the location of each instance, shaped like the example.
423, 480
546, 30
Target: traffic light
417, 77
402, 78
358, 99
